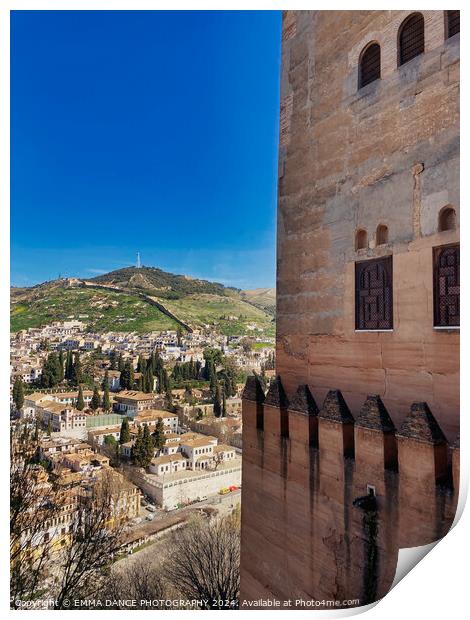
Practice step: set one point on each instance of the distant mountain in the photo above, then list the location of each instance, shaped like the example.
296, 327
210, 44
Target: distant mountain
141, 300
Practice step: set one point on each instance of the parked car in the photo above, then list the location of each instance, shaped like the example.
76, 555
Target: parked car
151, 508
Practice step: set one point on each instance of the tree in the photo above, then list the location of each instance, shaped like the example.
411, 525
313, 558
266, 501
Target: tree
204, 559
51, 372
144, 449
217, 402
61, 366
94, 538
140, 363
76, 377
95, 399
110, 440
120, 362
147, 382
158, 435
112, 360
213, 384
69, 366
33, 502
18, 393
125, 434
106, 403
105, 381
80, 404
127, 376
224, 405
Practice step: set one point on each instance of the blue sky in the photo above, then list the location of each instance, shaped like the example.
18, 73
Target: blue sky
144, 131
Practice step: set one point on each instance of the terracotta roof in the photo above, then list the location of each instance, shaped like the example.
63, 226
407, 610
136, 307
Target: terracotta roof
421, 425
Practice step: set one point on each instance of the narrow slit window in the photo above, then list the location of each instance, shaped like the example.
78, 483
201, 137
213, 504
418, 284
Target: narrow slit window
369, 65
411, 38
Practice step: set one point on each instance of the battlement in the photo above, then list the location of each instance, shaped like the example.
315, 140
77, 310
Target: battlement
314, 477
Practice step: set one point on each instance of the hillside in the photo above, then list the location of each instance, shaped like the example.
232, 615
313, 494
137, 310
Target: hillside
264, 298
141, 300
161, 283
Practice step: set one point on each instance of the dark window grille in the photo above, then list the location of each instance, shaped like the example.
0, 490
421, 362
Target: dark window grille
411, 38
374, 294
369, 70
447, 286
453, 23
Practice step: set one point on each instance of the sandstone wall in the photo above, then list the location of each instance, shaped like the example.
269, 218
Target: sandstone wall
385, 154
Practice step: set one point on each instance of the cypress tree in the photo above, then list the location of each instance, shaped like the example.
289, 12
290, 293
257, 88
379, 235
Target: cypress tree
18, 393
140, 363
217, 403
112, 360
158, 435
80, 404
95, 399
125, 434
213, 384
69, 366
61, 366
106, 404
224, 405
105, 382
77, 370
148, 447
148, 380
120, 362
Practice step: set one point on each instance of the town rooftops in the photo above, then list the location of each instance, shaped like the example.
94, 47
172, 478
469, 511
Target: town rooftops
169, 458
134, 395
149, 414
198, 443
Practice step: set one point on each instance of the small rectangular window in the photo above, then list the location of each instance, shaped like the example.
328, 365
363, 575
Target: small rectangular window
453, 23
447, 286
374, 294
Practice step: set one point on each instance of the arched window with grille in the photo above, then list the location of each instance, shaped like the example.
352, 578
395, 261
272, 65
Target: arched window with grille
452, 23
369, 64
374, 294
411, 38
447, 286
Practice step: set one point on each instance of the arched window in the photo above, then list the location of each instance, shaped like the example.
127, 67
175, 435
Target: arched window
411, 38
452, 23
361, 239
369, 64
446, 219
382, 235
374, 294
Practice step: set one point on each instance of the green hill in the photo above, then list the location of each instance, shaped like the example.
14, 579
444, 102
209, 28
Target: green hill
141, 300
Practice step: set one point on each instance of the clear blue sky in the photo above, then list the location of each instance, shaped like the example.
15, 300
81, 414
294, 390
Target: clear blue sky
144, 131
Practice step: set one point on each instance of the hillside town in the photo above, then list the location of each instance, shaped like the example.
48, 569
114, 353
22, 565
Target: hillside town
156, 419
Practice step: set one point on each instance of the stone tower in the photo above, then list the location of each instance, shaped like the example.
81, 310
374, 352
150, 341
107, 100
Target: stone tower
353, 452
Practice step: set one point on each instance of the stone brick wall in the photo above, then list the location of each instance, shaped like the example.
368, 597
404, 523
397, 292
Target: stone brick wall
385, 154
328, 500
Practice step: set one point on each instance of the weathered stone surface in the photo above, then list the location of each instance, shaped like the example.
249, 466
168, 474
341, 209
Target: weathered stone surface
276, 396
303, 401
335, 408
253, 390
374, 415
421, 425
383, 155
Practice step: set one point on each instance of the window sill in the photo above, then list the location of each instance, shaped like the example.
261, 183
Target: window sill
452, 328
361, 331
